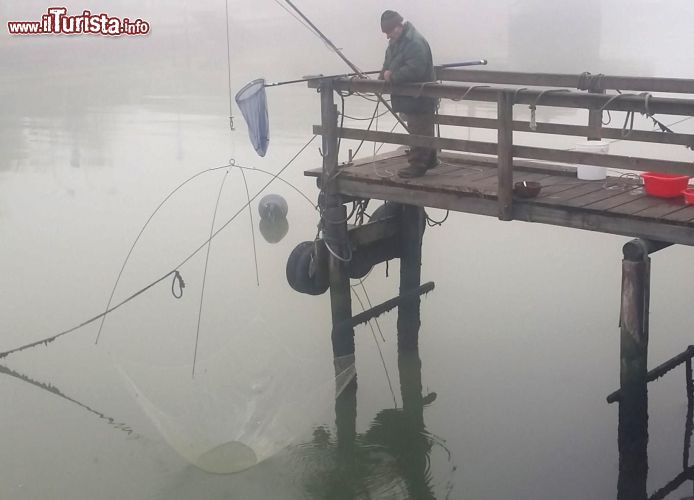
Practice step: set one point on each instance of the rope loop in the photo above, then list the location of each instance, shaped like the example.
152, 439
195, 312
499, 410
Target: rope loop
533, 107
177, 280
473, 87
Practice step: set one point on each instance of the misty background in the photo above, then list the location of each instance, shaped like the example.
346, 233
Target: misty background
94, 131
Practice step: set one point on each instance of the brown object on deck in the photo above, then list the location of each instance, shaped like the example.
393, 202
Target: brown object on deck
527, 189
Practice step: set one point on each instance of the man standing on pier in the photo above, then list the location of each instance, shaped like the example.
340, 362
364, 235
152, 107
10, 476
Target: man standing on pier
408, 60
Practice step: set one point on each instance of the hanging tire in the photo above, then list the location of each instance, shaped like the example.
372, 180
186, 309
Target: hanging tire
357, 267
301, 267
386, 210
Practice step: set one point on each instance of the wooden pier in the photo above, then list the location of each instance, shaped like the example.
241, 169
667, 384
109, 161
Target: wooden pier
469, 183
478, 177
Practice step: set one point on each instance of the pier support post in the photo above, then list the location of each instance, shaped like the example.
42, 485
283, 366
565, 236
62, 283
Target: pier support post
505, 155
335, 229
633, 405
412, 222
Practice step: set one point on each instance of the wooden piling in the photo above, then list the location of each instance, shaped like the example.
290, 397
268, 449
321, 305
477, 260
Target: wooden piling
345, 408
633, 405
411, 232
335, 228
505, 155
595, 120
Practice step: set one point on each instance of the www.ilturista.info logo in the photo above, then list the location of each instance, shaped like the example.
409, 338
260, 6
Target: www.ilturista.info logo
57, 22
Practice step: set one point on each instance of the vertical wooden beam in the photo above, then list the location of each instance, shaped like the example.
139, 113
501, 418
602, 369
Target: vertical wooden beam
595, 120
414, 444
345, 408
335, 228
412, 223
689, 422
505, 155
633, 405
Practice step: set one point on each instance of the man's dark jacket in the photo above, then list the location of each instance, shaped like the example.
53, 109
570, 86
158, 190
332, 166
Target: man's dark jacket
409, 59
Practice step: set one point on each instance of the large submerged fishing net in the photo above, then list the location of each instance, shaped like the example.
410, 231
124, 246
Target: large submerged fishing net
252, 102
237, 412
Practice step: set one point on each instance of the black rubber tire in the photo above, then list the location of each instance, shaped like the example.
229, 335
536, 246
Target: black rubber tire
298, 266
386, 210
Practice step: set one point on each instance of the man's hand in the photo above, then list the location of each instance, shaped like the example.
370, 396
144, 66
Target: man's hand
387, 75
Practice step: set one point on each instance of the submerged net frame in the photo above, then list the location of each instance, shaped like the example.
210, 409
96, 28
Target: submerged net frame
252, 101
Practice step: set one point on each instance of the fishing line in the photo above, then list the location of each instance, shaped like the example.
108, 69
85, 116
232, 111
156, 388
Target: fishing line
380, 352
142, 230
368, 301
364, 118
175, 272
250, 217
204, 274
374, 116
300, 21
231, 114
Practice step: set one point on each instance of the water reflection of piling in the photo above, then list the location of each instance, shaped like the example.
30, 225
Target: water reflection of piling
412, 224
400, 432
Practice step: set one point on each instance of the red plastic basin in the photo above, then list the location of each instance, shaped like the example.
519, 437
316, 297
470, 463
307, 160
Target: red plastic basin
664, 185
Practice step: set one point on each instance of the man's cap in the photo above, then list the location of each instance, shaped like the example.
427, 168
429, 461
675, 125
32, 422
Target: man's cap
389, 20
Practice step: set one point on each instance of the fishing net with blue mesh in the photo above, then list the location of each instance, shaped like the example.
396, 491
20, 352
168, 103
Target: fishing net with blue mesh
252, 102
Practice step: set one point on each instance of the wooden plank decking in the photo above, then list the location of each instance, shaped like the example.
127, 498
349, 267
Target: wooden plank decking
468, 183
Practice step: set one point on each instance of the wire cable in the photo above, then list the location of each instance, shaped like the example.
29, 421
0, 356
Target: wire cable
173, 272
204, 274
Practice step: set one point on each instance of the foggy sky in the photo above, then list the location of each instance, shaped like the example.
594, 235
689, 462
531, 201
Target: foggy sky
615, 36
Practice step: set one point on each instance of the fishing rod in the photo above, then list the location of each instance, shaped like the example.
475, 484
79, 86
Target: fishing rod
347, 61
476, 62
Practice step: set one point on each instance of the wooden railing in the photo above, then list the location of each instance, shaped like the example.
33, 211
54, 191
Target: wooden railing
494, 86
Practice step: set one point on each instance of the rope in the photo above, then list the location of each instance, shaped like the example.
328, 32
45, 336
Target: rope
533, 107
473, 87
178, 280
432, 223
174, 272
629, 118
204, 274
55, 337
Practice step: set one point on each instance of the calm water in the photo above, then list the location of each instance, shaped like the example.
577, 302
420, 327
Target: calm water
519, 342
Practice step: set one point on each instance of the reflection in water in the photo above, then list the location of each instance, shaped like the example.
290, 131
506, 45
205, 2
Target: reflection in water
57, 392
391, 459
633, 437
273, 230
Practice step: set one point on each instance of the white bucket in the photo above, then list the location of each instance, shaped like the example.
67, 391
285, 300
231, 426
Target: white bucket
589, 172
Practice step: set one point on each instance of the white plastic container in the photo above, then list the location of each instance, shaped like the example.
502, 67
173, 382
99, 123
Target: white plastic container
590, 172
